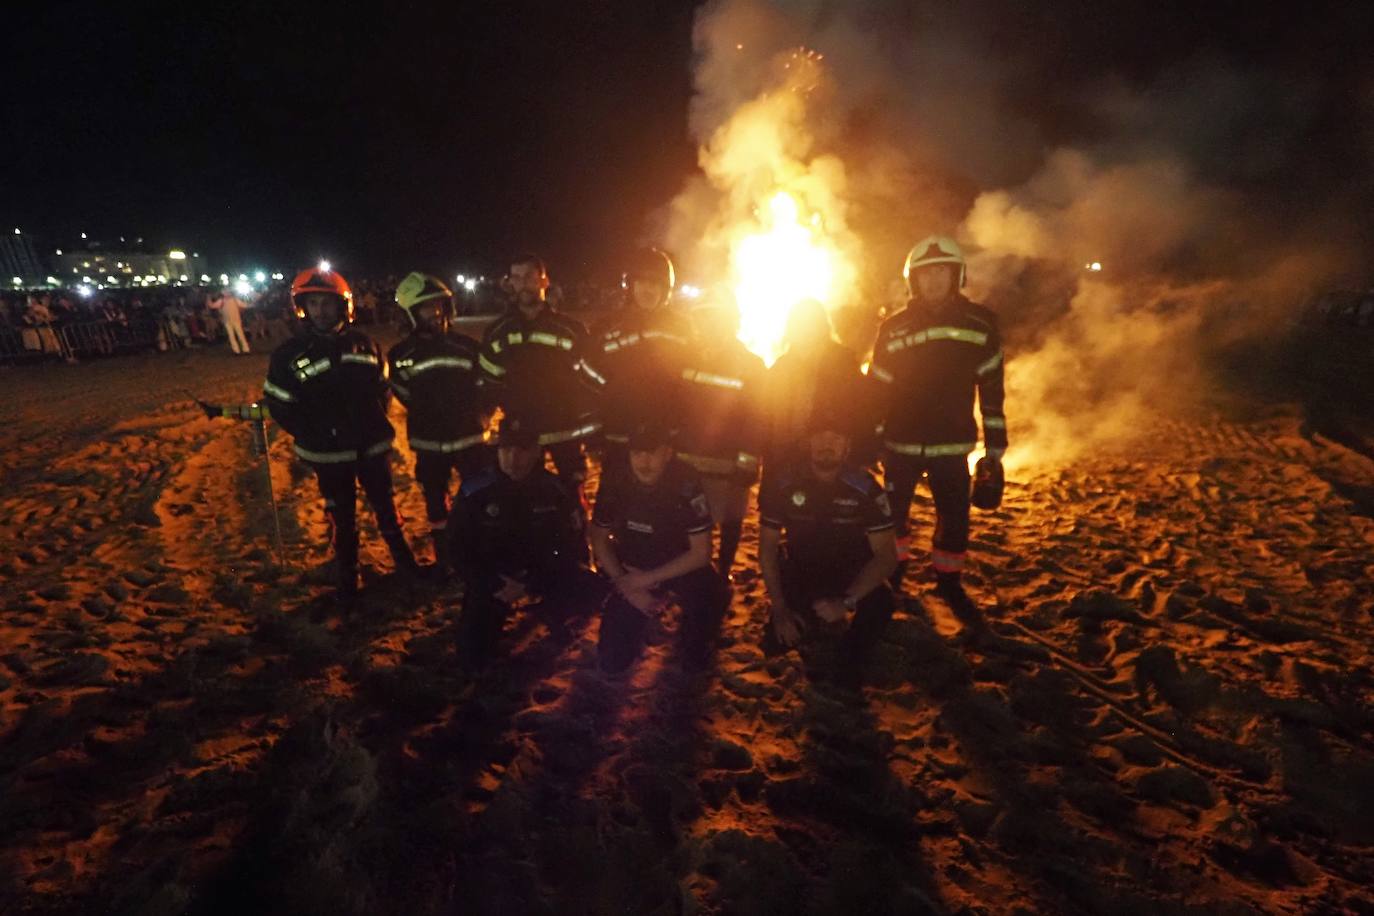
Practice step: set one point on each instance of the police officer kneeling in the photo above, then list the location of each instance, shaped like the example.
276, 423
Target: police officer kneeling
518, 533
651, 534
827, 546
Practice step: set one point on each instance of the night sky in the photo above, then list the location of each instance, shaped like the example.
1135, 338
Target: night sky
447, 135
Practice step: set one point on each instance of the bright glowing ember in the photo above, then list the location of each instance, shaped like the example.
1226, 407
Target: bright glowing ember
788, 260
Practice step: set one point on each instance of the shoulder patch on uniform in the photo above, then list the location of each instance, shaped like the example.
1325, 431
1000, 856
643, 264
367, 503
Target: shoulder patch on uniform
479, 482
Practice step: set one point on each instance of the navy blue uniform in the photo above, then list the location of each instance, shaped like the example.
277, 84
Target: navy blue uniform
825, 529
529, 530
651, 526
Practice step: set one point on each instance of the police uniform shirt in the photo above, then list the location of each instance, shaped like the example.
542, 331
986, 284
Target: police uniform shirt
826, 523
508, 526
652, 525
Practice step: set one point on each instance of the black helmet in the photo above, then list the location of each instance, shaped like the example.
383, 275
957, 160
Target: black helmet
650, 264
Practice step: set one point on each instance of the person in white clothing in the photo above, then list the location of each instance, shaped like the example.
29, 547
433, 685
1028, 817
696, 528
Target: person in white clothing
230, 307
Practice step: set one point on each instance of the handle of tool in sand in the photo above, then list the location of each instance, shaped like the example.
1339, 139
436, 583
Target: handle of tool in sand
260, 435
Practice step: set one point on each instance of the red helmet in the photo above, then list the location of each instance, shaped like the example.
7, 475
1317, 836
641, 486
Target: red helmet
318, 280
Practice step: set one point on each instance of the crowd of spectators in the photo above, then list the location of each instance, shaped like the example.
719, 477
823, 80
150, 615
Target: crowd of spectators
84, 322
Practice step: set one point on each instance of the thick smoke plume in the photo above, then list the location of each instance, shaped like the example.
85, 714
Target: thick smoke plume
1188, 178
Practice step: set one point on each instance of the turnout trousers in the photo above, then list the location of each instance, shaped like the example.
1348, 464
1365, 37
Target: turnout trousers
949, 487
339, 487
434, 473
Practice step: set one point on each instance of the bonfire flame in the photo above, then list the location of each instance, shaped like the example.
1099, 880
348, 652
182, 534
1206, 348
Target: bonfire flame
786, 261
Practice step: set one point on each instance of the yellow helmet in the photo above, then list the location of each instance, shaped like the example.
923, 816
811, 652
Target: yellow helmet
935, 249
417, 288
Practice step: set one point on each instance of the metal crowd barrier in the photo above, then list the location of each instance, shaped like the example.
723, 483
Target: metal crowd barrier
85, 339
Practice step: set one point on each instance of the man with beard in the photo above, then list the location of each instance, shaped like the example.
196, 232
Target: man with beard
327, 387
435, 375
826, 548
533, 363
518, 533
929, 360
651, 535
641, 351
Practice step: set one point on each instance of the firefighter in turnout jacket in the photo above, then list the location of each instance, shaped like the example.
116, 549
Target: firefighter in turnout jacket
929, 360
641, 351
327, 388
533, 363
435, 375
721, 429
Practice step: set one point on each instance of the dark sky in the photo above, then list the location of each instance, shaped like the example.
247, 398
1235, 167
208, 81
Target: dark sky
446, 135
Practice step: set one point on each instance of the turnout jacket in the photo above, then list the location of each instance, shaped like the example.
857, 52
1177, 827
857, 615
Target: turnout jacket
721, 428
329, 391
536, 367
825, 378
640, 353
927, 363
436, 377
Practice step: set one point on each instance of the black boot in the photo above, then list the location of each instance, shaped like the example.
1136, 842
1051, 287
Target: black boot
346, 565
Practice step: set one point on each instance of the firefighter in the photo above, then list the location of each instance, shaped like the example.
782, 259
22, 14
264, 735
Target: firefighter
929, 360
815, 373
327, 387
651, 535
826, 547
533, 363
641, 351
721, 422
435, 375
518, 532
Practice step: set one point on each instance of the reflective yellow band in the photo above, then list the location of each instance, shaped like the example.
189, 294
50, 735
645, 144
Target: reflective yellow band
568, 435
967, 335
990, 364
881, 374
274, 390
548, 340
490, 366
455, 445
367, 359
710, 378
994, 422
931, 451
596, 376
664, 335
439, 362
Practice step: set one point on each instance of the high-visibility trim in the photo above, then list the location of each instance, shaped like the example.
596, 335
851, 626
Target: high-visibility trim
549, 340
447, 447
440, 362
313, 369
946, 560
327, 457
664, 335
490, 366
366, 359
990, 365
274, 390
568, 435
967, 335
931, 451
515, 338
881, 374
496, 345
618, 438
596, 376
994, 422
711, 378
380, 448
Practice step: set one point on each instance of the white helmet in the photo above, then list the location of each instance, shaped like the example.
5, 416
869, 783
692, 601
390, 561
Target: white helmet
935, 249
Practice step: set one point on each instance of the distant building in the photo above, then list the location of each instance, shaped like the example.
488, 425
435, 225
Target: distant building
19, 259
129, 264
